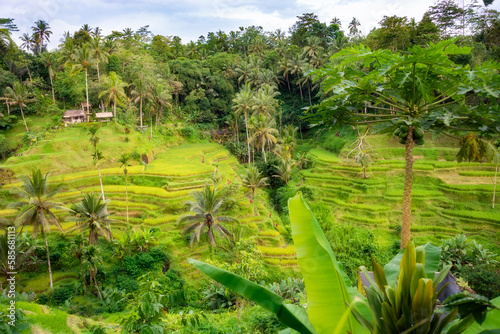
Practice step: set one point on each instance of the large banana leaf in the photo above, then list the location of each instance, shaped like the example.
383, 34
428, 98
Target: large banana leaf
326, 283
432, 256
291, 315
491, 323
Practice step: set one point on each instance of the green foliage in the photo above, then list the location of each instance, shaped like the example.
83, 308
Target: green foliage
460, 253
483, 280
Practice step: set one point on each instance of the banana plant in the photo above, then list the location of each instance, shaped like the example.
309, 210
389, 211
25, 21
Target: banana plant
333, 305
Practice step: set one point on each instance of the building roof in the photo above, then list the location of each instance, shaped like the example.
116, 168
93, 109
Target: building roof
84, 104
74, 113
104, 115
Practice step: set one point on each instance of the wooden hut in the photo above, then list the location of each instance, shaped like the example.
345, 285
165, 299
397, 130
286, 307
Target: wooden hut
74, 116
104, 116
86, 108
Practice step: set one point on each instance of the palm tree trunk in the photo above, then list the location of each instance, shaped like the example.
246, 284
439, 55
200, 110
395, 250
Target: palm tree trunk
140, 110
52, 85
309, 88
24, 120
29, 72
97, 287
151, 121
48, 260
87, 92
8, 108
495, 187
100, 181
406, 227
264, 152
300, 87
288, 82
98, 77
114, 108
248, 140
126, 194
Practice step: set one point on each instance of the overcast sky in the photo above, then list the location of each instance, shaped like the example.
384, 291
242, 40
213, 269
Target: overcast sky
189, 19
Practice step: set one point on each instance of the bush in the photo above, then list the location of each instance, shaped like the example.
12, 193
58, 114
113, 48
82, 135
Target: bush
62, 293
482, 280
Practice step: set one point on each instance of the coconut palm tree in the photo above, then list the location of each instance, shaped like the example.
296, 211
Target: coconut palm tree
50, 59
36, 207
206, 207
140, 92
41, 32
99, 53
91, 213
298, 65
353, 26
91, 261
19, 95
284, 170
83, 60
114, 90
285, 66
253, 179
243, 103
124, 163
264, 133
160, 97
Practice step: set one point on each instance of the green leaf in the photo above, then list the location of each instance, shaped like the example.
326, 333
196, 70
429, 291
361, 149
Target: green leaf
326, 283
290, 315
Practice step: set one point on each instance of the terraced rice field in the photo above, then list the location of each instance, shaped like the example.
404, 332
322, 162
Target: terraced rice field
448, 198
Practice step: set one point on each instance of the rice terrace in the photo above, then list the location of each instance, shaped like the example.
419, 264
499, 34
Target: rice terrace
321, 176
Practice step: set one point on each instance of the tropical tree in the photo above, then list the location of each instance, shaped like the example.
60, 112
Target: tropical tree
83, 61
36, 207
19, 95
124, 161
285, 170
243, 103
140, 92
99, 53
22, 255
206, 206
91, 261
50, 59
264, 133
298, 65
285, 67
114, 90
353, 26
411, 93
91, 214
160, 97
253, 179
41, 33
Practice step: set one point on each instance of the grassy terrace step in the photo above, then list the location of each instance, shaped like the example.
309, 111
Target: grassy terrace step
480, 173
323, 155
480, 215
139, 190
363, 207
364, 220
415, 193
288, 251
467, 187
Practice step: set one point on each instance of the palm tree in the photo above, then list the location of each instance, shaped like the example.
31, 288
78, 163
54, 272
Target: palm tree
99, 53
50, 60
124, 163
284, 170
83, 60
19, 95
41, 32
161, 97
140, 92
243, 103
114, 90
313, 46
286, 68
91, 260
298, 65
36, 207
253, 179
206, 206
27, 42
264, 134
91, 213
353, 26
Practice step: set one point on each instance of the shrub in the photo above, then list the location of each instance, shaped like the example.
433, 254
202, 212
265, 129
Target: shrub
483, 280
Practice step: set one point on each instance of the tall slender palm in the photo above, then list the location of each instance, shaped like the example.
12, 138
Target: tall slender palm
99, 53
36, 207
83, 61
91, 213
19, 95
27, 42
91, 261
206, 206
50, 59
124, 163
243, 103
285, 169
313, 46
160, 97
285, 66
42, 32
298, 65
264, 134
114, 90
353, 26
253, 179
140, 92
264, 102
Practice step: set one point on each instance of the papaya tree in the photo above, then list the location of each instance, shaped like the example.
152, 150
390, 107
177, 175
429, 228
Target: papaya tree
408, 94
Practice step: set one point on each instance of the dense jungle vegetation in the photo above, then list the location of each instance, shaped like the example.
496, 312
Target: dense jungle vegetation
391, 138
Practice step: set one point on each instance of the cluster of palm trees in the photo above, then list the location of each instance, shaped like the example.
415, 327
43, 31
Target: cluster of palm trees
37, 206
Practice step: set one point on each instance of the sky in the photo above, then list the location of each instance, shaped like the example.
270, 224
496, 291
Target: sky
190, 19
